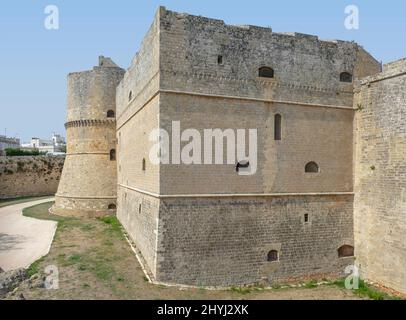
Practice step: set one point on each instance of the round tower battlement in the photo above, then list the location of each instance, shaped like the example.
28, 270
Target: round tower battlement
89, 179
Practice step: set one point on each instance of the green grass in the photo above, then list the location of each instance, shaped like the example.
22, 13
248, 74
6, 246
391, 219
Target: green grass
40, 211
311, 284
75, 258
87, 227
247, 289
34, 268
240, 290
366, 290
112, 221
115, 225
98, 261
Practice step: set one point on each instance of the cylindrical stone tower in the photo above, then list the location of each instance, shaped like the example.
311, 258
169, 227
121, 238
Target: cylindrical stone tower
88, 185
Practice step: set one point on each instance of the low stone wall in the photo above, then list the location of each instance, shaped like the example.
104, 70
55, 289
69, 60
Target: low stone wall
29, 175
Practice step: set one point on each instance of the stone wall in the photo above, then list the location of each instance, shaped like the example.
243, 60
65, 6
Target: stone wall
306, 69
316, 107
202, 224
380, 177
29, 175
138, 213
89, 179
225, 241
322, 135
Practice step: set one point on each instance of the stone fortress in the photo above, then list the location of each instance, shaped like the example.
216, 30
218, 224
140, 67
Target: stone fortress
330, 185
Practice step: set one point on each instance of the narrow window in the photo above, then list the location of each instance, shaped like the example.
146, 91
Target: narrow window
140, 208
130, 96
273, 255
265, 72
110, 114
345, 77
312, 167
220, 59
278, 127
345, 251
143, 164
112, 206
112, 155
306, 217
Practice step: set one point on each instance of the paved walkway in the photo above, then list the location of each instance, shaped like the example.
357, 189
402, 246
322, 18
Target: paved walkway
23, 240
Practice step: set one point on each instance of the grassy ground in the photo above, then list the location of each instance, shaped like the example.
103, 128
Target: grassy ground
8, 202
95, 262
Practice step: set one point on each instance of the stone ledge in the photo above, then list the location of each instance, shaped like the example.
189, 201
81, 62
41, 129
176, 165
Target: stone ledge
89, 123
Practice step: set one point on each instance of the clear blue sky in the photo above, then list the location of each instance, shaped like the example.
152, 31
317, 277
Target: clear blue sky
34, 61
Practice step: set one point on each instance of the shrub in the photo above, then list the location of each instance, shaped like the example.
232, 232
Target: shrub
10, 152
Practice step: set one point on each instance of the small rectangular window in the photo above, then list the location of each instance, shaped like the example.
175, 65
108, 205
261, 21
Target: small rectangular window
278, 127
306, 217
220, 59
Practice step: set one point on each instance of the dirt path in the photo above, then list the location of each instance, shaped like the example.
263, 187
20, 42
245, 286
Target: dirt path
23, 240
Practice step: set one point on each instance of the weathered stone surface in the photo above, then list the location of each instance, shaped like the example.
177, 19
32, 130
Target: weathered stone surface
380, 177
218, 240
88, 181
29, 175
226, 241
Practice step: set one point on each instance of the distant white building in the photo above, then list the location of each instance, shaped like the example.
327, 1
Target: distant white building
54, 146
58, 140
